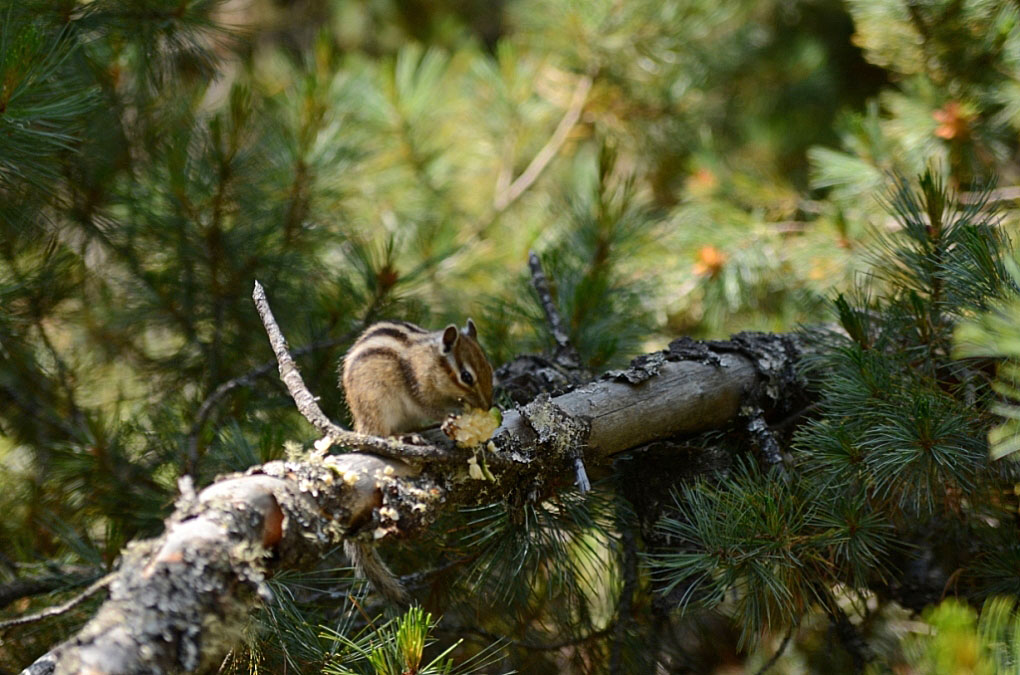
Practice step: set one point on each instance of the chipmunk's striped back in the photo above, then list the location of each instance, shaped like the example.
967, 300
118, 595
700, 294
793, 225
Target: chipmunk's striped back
397, 376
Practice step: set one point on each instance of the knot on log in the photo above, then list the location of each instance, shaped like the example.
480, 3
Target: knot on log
558, 432
561, 435
406, 508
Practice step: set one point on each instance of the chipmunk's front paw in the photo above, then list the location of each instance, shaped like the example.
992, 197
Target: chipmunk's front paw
413, 439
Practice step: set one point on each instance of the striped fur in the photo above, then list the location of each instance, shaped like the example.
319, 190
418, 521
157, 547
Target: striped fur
398, 376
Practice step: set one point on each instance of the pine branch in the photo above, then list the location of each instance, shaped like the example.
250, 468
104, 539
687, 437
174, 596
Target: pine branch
177, 597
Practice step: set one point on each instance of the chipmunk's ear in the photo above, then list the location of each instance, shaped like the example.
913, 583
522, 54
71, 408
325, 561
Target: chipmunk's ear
470, 330
449, 338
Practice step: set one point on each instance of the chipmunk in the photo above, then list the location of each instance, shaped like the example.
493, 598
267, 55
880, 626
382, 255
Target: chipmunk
397, 378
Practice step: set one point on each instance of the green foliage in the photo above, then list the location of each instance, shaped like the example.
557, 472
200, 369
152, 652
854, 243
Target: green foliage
960, 641
895, 450
286, 633
316, 620
370, 158
899, 417
42, 97
398, 646
993, 333
773, 541
952, 97
555, 555
601, 226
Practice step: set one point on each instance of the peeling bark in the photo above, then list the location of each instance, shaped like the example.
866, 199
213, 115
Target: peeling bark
179, 600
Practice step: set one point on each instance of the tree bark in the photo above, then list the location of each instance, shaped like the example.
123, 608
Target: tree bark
179, 600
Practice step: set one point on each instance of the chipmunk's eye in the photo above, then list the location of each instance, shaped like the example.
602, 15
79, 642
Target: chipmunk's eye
467, 378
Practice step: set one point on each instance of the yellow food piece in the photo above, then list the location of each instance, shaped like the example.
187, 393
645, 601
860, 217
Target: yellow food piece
473, 427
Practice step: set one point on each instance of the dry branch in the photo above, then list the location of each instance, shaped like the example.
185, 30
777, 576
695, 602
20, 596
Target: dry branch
178, 600
309, 408
25, 588
505, 198
566, 355
246, 380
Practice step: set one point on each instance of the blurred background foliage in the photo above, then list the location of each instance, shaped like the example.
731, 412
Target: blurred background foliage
683, 167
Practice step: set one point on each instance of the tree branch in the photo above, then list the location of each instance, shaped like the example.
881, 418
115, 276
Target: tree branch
504, 199
566, 355
177, 600
246, 380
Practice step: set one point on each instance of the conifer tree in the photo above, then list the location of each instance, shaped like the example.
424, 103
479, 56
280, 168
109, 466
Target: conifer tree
682, 168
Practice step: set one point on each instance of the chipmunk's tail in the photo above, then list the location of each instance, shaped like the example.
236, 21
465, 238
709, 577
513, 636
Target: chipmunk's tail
370, 565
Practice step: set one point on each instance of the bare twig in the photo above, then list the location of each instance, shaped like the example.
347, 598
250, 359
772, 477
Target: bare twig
566, 355
505, 198
226, 661
779, 652
100, 583
246, 380
763, 437
581, 475
1003, 194
24, 588
309, 408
